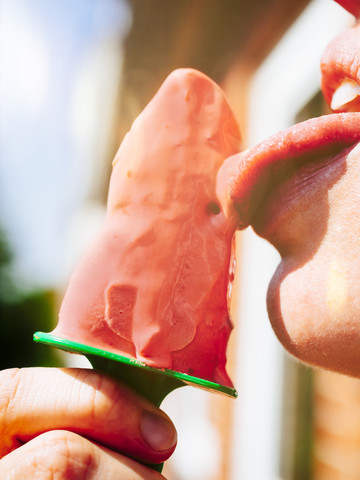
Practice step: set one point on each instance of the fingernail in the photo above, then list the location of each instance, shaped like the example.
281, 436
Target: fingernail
157, 431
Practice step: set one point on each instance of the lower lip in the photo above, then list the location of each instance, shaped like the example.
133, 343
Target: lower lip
304, 186
263, 168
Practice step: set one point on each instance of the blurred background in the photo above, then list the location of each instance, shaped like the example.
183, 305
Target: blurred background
73, 77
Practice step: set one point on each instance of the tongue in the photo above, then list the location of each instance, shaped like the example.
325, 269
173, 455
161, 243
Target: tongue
244, 176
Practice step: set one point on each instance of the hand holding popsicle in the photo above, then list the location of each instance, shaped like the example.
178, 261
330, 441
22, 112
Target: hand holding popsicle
149, 301
94, 419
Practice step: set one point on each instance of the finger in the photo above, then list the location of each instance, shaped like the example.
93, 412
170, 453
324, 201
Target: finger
35, 400
68, 456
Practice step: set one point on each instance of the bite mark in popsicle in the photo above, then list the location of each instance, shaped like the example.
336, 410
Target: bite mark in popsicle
154, 284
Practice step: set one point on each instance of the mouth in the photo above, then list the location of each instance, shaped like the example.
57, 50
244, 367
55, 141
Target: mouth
308, 150
299, 189
262, 170
340, 70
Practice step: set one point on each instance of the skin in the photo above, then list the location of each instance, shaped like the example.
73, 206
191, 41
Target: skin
314, 296
313, 305
73, 423
312, 218
313, 299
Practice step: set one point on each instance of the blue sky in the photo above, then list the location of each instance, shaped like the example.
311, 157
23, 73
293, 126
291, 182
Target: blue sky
43, 48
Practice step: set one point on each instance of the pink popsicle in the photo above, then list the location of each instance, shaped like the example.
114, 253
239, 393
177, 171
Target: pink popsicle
154, 284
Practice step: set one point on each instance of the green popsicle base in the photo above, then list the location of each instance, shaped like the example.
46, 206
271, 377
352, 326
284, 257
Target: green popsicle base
152, 383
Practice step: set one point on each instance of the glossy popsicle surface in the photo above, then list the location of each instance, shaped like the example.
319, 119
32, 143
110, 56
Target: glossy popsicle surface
154, 284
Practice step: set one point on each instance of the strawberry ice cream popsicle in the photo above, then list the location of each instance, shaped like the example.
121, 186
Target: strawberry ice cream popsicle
154, 285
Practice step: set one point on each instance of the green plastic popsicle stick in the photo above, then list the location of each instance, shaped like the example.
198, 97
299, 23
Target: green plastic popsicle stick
152, 383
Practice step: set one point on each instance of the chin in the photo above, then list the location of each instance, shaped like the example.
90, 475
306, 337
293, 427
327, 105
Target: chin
313, 298
314, 309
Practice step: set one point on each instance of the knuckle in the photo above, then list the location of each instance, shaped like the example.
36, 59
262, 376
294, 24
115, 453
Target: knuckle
87, 394
99, 396
62, 455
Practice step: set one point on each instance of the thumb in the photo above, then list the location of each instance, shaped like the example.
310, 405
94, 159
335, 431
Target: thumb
86, 402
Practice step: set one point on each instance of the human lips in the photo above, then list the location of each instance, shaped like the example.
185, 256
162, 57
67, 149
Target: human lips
340, 69
352, 6
262, 169
256, 173
312, 298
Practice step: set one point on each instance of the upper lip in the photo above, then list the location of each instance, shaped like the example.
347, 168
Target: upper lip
341, 61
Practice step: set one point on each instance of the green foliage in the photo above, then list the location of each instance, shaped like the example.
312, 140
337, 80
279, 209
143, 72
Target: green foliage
21, 314
20, 318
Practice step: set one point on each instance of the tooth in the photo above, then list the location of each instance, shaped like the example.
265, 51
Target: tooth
344, 94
